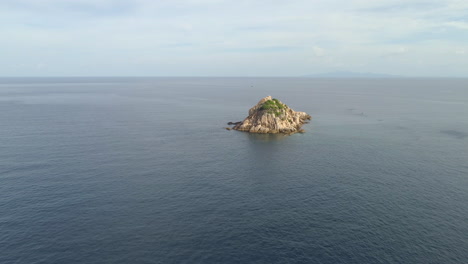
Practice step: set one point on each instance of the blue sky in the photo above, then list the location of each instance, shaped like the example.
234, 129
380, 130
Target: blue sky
233, 38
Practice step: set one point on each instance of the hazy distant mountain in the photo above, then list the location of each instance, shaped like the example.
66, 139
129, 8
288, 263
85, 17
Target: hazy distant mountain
351, 75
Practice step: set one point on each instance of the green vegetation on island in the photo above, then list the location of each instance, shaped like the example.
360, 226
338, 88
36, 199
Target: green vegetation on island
273, 106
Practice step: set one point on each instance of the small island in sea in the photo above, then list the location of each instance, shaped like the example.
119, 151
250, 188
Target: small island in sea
272, 116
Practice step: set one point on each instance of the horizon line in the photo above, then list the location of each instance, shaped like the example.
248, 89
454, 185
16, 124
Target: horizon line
241, 76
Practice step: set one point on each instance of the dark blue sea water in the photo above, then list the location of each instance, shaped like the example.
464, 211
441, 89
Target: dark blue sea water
140, 170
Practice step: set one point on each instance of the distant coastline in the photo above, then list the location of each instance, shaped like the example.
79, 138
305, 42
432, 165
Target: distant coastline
345, 74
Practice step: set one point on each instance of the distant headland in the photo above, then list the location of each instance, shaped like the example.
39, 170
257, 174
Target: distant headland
272, 116
352, 75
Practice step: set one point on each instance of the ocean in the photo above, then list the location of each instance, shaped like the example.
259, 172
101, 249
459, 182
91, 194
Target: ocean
141, 170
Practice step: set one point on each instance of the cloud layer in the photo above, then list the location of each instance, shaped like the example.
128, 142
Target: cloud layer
232, 38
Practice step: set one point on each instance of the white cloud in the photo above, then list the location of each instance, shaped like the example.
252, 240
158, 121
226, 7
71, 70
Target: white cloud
457, 24
319, 52
308, 35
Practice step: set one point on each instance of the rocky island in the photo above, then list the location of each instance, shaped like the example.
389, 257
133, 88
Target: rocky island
272, 116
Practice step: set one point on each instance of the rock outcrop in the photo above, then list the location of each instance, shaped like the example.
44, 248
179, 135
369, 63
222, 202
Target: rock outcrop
272, 116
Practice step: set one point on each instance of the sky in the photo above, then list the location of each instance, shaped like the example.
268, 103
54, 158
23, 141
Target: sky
233, 38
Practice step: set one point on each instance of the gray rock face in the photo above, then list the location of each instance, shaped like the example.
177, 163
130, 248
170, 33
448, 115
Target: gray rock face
272, 116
